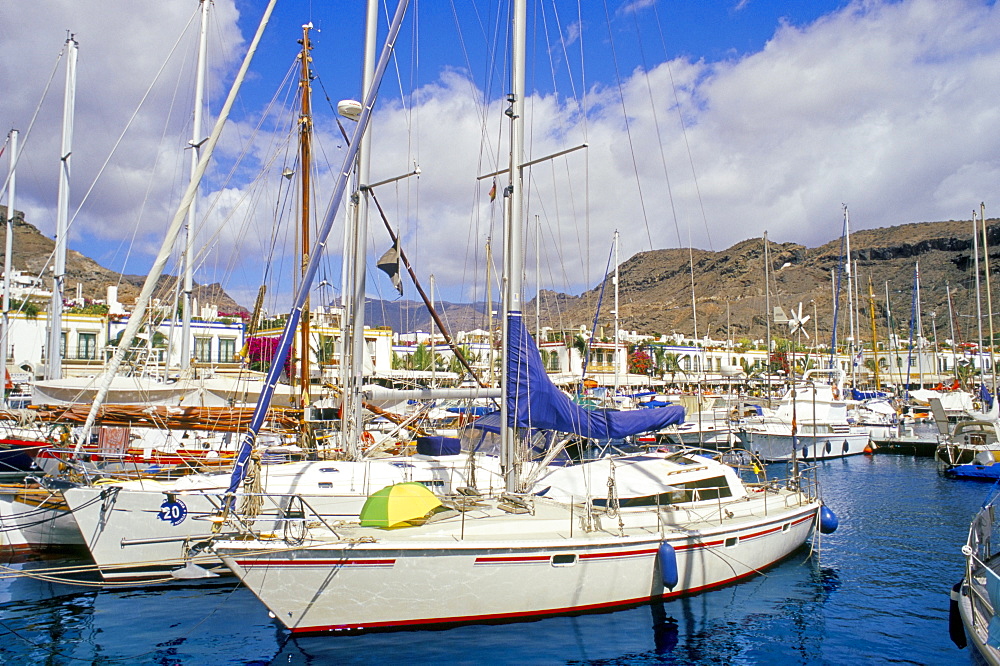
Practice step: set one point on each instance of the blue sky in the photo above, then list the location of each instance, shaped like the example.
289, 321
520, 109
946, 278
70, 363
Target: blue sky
708, 123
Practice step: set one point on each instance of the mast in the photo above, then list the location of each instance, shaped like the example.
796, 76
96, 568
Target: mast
352, 410
189, 230
340, 187
489, 310
8, 250
513, 259
951, 328
871, 314
850, 294
768, 314
615, 353
920, 327
538, 280
54, 349
979, 304
989, 298
305, 166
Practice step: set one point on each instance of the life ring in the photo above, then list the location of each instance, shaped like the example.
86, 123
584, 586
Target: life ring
367, 438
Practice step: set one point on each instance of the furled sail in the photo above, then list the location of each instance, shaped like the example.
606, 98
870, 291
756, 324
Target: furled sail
535, 402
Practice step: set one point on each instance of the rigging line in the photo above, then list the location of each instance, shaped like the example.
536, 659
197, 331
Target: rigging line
656, 125
34, 116
680, 117
586, 135
128, 125
628, 129
252, 190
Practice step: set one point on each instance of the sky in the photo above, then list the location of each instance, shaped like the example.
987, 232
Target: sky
705, 123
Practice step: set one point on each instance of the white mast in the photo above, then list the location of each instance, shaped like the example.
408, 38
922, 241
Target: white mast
920, 331
8, 250
513, 259
189, 230
850, 293
54, 350
615, 278
979, 305
538, 280
352, 412
173, 231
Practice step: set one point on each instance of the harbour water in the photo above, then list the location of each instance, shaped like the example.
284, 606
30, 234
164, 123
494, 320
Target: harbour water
877, 592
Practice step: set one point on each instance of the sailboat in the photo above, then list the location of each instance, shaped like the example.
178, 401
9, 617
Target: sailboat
600, 534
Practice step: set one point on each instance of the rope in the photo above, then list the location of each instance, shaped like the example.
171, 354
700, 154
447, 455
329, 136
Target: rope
253, 486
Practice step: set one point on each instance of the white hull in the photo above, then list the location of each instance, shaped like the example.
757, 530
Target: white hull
487, 566
130, 536
777, 447
34, 519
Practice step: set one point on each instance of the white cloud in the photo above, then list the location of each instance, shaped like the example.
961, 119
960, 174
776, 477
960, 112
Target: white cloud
884, 106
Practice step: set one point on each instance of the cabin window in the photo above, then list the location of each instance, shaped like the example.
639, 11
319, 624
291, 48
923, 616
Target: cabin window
325, 484
693, 491
732, 541
564, 560
227, 350
786, 527
86, 346
203, 350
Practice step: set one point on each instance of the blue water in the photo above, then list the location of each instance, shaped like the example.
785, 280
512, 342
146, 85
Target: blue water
878, 593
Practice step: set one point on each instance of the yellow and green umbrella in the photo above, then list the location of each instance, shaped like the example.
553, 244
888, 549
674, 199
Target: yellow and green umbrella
398, 505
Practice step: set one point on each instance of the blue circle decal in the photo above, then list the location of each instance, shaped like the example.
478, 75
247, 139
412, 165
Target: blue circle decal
173, 512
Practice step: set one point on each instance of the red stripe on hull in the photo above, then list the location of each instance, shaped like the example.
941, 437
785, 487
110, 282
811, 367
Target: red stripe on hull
513, 617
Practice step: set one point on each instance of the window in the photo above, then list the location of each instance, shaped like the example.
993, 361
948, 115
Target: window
86, 346
227, 350
62, 344
203, 350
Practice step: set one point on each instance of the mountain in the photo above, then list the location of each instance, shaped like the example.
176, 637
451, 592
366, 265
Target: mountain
32, 254
655, 288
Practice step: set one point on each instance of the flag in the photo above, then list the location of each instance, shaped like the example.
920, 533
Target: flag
388, 263
493, 190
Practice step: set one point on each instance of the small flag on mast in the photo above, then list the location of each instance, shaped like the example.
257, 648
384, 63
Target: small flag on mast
493, 190
389, 264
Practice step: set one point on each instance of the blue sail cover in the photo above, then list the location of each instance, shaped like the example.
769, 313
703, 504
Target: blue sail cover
533, 401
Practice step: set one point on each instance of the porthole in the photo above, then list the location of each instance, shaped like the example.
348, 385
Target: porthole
564, 560
732, 541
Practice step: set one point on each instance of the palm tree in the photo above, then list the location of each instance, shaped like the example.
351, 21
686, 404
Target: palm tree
672, 364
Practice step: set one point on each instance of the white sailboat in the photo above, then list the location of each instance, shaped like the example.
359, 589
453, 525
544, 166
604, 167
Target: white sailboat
810, 422
593, 536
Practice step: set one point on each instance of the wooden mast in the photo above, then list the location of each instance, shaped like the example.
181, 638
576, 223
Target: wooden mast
305, 166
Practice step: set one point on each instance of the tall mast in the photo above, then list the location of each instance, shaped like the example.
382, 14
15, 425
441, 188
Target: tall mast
615, 356
871, 315
305, 167
951, 328
8, 249
352, 411
538, 280
850, 293
489, 308
920, 329
189, 230
979, 304
54, 349
513, 259
768, 315
989, 298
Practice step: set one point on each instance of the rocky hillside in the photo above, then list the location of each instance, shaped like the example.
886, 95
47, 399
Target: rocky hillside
32, 253
655, 292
